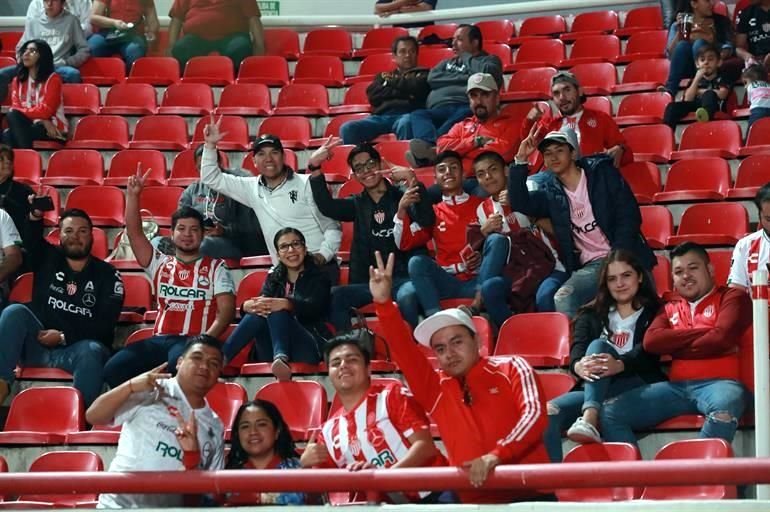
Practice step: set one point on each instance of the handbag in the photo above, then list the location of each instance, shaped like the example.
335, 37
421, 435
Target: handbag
123, 250
367, 338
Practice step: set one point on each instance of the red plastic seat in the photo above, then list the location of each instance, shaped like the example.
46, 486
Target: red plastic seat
303, 404
294, 131
394, 151
250, 286
165, 133
539, 27
355, 100
600, 103
758, 140
282, 42
99, 434
502, 51
124, 164
642, 108
347, 240
721, 260
336, 122
644, 180
183, 170
712, 224
225, 398
73, 167
593, 48
444, 31
63, 461
43, 416
661, 275
335, 42
161, 201
538, 53
80, 99
21, 291
104, 204
496, 31
154, 71
657, 225
212, 70
245, 99
650, 143
591, 23
379, 40
100, 132
98, 249
601, 452
103, 71
702, 449
235, 131
269, 70
529, 84
696, 179
371, 66
320, 69
349, 188
555, 383
540, 338
753, 172
336, 169
138, 298
302, 100
643, 75
187, 99
429, 57
714, 138
131, 100
27, 166
9, 40
596, 78
645, 45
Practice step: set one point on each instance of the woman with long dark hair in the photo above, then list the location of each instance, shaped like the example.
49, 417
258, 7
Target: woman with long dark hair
607, 354
287, 320
37, 109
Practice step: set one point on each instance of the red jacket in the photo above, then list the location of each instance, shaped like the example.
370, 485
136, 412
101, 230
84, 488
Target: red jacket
506, 416
462, 138
704, 344
40, 101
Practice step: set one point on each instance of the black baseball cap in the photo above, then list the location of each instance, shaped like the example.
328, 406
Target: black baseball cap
267, 140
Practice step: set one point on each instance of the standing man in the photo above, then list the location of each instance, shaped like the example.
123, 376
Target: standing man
167, 424
392, 94
752, 252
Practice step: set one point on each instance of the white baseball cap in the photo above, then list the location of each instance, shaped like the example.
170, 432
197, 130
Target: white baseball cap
437, 321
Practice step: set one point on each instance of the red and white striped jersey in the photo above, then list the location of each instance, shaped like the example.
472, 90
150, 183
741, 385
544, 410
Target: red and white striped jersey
187, 292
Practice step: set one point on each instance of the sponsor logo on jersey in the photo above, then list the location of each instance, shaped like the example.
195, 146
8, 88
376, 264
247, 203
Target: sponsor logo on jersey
61, 305
171, 291
203, 281
118, 290
383, 459
59, 276
180, 306
168, 450
89, 286
89, 300
57, 289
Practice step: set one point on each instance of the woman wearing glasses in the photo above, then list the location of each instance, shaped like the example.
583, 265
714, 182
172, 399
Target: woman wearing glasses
287, 319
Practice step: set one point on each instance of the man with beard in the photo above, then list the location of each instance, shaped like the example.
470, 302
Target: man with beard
196, 294
76, 302
752, 252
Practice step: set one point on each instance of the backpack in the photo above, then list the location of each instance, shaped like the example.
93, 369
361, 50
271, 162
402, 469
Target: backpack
123, 250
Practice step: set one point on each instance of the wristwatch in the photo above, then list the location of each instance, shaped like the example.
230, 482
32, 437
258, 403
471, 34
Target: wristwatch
62, 339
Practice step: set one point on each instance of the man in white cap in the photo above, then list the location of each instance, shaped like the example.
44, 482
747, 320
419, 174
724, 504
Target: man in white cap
488, 412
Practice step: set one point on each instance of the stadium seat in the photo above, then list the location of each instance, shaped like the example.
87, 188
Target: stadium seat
303, 404
650, 143
183, 170
657, 225
27, 166
250, 286
302, 100
702, 449
124, 164
43, 416
187, 99
333, 42
593, 48
502, 51
104, 204
80, 99
294, 131
540, 338
73, 167
379, 40
282, 42
164, 133
100, 132
355, 100
661, 275
696, 179
21, 291
645, 45
158, 71
591, 23
138, 298
320, 69
600, 103
99, 434
347, 240
721, 260
642, 108
643, 75
64, 461
644, 180
712, 224
443, 32
336, 168
430, 57
349, 188
539, 27
235, 133
98, 249
641, 19
212, 70
758, 140
529, 84
555, 383
370, 67
596, 78
601, 452
103, 71
394, 151
714, 138
225, 398
245, 99
336, 122
131, 100
753, 172
9, 40
161, 202
721, 8
496, 31
538, 53
269, 70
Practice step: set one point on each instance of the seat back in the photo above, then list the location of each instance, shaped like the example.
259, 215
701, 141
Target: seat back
759, 133
246, 95
394, 151
601, 452
377, 63
336, 122
303, 95
303, 404
543, 26
155, 70
534, 79
644, 17
502, 51
54, 409
382, 38
103, 70
601, 21
319, 69
715, 218
283, 42
661, 274
132, 95
646, 70
430, 56
648, 43
753, 171
328, 41
21, 291
161, 201
555, 383
102, 128
540, 338
65, 461
643, 178
603, 46
644, 104
225, 398
250, 286
126, 163
287, 128
209, 69
85, 165
444, 31
657, 225
600, 103
713, 134
657, 139
27, 166
595, 74
165, 128
721, 260
496, 31
711, 174
101, 202
81, 98
138, 291
264, 69
550, 51
189, 94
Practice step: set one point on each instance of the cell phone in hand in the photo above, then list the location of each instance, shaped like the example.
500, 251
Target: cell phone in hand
466, 253
42, 203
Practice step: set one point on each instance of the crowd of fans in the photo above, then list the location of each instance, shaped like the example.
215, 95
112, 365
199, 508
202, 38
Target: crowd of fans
524, 216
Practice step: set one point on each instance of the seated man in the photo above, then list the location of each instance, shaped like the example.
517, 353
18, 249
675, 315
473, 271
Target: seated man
167, 424
488, 412
458, 271
196, 294
376, 425
81, 9
126, 27
701, 331
752, 252
76, 302
590, 205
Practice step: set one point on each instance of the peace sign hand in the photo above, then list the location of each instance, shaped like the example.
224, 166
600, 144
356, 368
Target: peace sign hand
529, 144
381, 279
149, 380
187, 433
211, 132
136, 182
325, 151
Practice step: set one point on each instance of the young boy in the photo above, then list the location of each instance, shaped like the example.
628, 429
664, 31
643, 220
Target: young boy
757, 91
705, 94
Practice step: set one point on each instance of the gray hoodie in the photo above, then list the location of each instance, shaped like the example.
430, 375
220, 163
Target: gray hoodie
81, 9
62, 33
449, 78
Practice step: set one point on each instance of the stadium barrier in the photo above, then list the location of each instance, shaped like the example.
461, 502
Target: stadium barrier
759, 295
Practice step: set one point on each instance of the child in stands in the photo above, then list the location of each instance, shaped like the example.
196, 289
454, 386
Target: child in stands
757, 91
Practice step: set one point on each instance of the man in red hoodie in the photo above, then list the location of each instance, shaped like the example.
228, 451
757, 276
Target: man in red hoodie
701, 331
488, 412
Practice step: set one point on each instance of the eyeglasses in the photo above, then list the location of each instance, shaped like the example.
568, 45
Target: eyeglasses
296, 245
369, 165
30, 50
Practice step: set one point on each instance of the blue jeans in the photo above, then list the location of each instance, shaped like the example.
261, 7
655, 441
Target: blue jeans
129, 51
646, 406
755, 114
365, 130
579, 288
547, 289
235, 46
278, 334
430, 124
144, 355
682, 62
565, 409
84, 359
356, 295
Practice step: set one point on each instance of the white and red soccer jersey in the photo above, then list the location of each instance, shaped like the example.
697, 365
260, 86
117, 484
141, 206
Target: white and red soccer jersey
750, 253
187, 292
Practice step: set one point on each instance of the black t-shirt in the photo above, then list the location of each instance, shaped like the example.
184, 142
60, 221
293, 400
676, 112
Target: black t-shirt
712, 83
755, 23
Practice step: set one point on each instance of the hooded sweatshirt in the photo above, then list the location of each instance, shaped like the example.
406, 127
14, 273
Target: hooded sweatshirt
62, 33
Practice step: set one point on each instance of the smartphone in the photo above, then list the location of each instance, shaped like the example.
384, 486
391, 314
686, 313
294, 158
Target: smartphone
466, 253
42, 203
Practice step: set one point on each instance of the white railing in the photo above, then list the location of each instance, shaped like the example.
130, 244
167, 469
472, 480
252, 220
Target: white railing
759, 294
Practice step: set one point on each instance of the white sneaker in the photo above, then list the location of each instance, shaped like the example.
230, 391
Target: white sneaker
281, 370
583, 432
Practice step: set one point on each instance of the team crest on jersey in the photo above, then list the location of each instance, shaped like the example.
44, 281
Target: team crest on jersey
620, 339
72, 288
579, 212
591, 122
204, 269
708, 312
379, 217
494, 391
184, 274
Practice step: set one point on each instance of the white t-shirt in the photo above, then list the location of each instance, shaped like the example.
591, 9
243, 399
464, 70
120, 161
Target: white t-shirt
759, 95
9, 237
751, 250
622, 338
148, 443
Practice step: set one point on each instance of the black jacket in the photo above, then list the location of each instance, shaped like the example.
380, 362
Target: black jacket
614, 205
14, 200
397, 92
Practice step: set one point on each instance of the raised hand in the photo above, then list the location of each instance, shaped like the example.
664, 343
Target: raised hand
149, 380
136, 182
324, 152
528, 145
410, 197
211, 132
399, 173
535, 113
187, 433
381, 278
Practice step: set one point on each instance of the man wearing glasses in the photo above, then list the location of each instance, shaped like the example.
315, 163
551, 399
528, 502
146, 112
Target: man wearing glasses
372, 212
